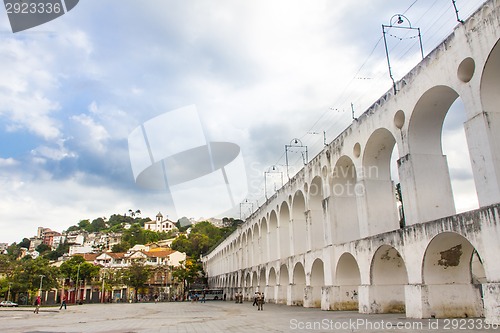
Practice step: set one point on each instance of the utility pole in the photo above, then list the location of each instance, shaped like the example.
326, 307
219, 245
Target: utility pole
41, 283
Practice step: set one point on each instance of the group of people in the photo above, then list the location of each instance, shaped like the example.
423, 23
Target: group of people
238, 297
258, 299
38, 302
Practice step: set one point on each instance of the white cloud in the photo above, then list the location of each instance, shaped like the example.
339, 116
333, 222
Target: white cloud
92, 136
259, 72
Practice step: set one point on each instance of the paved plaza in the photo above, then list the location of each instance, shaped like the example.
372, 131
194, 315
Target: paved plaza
217, 316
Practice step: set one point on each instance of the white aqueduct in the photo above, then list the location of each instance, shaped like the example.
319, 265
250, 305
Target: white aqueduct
332, 238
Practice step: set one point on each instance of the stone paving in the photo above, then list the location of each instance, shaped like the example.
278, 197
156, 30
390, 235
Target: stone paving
217, 316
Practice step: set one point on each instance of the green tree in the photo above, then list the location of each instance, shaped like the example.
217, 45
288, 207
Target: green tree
182, 244
112, 278
43, 248
98, 224
78, 269
85, 225
30, 272
134, 235
187, 272
201, 239
25, 243
61, 249
120, 247
136, 276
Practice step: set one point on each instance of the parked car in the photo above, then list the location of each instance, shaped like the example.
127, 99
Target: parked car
8, 304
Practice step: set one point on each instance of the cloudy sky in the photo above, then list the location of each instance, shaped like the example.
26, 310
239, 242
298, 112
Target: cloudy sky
260, 73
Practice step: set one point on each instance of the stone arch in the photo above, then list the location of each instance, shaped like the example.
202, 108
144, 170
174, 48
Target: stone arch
246, 250
316, 216
490, 81
248, 280
487, 159
347, 281
283, 285
284, 230
378, 187
264, 241
388, 279
262, 279
425, 168
272, 286
344, 212
447, 273
255, 283
299, 226
298, 284
317, 282
273, 236
256, 248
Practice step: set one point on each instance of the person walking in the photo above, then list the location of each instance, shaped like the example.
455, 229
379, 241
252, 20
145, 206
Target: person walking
203, 299
38, 301
260, 301
63, 303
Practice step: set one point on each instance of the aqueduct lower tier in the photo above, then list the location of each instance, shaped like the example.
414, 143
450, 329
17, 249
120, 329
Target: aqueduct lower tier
337, 236
436, 269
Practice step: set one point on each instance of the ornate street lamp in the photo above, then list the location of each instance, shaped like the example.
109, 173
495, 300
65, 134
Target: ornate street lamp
397, 22
297, 145
272, 169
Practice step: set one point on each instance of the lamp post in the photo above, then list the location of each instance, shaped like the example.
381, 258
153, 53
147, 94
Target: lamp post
297, 145
76, 286
272, 169
102, 288
8, 293
246, 202
41, 283
396, 22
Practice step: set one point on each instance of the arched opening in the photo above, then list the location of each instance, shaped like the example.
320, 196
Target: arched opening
483, 133
270, 294
262, 280
299, 223
248, 282
347, 281
345, 226
317, 283
448, 275
246, 251
284, 231
316, 215
264, 247
389, 277
426, 169
298, 284
256, 248
273, 236
490, 82
377, 186
283, 286
455, 148
255, 284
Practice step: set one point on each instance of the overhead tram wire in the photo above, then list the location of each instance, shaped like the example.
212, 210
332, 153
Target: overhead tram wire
354, 77
342, 98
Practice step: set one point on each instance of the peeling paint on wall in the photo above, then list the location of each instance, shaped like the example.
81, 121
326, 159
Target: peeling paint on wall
451, 257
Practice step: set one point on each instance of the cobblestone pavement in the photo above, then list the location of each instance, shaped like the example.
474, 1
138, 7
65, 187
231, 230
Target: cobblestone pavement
217, 316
